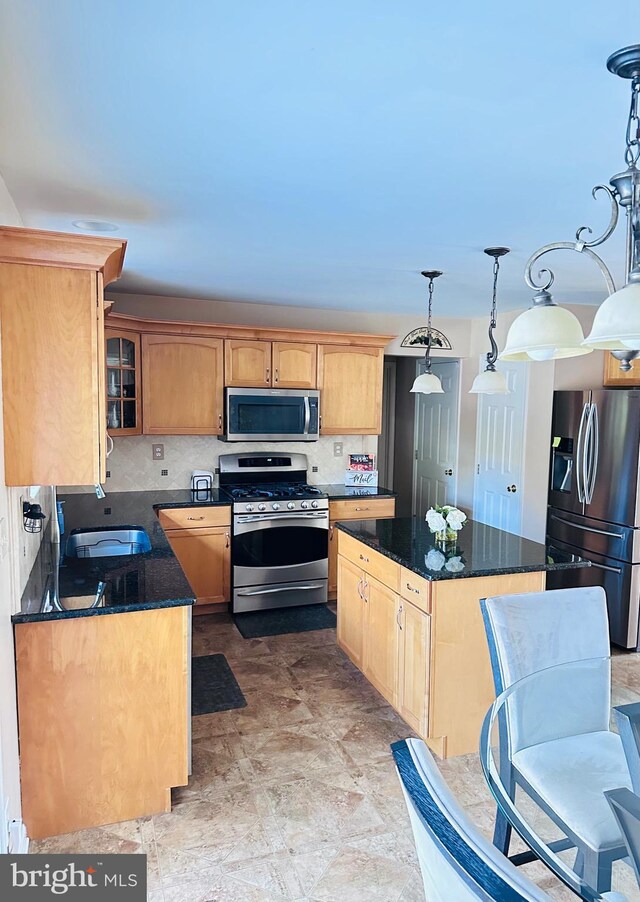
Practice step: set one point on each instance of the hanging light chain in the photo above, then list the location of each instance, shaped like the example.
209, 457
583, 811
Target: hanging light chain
496, 253
429, 274
632, 153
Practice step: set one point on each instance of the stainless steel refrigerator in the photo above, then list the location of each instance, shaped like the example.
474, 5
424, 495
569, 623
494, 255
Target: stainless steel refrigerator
594, 510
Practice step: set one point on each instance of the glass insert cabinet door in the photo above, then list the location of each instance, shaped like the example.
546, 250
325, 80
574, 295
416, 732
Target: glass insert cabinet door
123, 382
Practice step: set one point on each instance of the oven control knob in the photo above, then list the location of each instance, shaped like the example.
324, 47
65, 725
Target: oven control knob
304, 504
249, 507
275, 506
262, 507
314, 504
291, 506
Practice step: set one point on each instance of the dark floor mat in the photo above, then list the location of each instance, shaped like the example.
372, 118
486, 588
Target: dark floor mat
213, 686
299, 619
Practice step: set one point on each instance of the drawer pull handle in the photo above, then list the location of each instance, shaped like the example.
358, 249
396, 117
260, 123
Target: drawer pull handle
411, 589
363, 558
195, 518
362, 508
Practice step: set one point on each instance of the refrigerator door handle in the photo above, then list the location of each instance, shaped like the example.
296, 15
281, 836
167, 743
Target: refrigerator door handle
594, 445
600, 532
580, 455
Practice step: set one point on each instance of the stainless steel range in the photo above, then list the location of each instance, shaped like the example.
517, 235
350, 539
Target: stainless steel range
280, 531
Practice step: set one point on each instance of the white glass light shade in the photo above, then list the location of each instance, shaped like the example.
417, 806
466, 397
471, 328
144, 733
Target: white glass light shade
491, 382
544, 332
428, 384
616, 325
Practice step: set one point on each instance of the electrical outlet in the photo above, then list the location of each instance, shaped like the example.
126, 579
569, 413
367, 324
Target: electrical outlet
337, 449
157, 452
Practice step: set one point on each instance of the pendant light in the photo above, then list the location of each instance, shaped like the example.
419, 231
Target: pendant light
491, 382
547, 331
428, 383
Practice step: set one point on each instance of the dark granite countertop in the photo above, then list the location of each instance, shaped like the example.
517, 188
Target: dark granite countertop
337, 492
79, 587
480, 551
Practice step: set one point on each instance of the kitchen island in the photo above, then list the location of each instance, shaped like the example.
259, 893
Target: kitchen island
409, 617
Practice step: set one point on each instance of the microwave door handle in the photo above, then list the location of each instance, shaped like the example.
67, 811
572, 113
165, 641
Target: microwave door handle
307, 415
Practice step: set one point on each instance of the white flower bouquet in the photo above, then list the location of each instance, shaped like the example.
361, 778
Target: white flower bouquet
445, 522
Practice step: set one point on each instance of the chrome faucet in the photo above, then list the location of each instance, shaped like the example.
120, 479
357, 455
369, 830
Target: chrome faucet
99, 491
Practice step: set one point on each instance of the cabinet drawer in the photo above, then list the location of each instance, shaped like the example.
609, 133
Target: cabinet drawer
372, 562
362, 508
194, 517
415, 589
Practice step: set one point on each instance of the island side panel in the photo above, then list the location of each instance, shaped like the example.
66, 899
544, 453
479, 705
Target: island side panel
102, 703
461, 680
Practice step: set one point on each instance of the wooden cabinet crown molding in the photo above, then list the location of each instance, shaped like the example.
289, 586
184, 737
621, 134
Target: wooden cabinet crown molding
42, 248
257, 333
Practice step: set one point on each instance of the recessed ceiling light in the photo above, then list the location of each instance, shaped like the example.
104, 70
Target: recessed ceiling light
95, 225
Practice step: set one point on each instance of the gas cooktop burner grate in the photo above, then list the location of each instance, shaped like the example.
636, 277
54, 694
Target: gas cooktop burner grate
296, 490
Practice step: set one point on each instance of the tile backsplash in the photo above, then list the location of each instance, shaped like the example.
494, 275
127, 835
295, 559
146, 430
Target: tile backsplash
132, 468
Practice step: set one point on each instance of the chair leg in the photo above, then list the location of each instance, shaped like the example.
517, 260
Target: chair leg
594, 869
502, 833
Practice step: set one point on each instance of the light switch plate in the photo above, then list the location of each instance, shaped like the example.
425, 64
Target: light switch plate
157, 452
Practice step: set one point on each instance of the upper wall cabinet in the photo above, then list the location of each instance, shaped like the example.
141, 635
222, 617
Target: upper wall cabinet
247, 364
183, 384
350, 381
266, 364
123, 382
295, 364
613, 375
53, 376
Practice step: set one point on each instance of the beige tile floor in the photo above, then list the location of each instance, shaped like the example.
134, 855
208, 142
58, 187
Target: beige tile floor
295, 797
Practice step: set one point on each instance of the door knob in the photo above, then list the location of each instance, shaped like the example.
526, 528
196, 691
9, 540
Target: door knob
512, 488
448, 472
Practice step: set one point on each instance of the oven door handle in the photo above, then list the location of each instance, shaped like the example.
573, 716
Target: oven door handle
261, 518
281, 589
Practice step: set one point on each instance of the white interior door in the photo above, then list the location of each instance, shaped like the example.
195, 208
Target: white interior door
436, 441
497, 497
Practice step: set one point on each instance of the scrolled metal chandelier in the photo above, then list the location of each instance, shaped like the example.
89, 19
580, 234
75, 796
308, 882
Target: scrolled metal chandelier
547, 331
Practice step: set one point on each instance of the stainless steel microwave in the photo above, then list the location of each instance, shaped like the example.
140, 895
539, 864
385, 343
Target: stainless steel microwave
272, 414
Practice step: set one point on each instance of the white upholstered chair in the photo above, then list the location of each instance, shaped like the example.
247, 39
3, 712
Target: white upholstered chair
560, 749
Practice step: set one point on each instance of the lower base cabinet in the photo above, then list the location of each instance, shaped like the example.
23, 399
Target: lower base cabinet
381, 638
205, 557
361, 507
413, 666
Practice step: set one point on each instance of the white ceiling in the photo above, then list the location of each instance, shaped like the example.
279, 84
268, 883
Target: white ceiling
319, 154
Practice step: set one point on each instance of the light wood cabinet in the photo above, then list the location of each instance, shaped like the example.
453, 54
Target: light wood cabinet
413, 666
381, 638
358, 508
351, 610
350, 381
52, 312
183, 385
123, 382
278, 364
614, 376
247, 364
103, 716
434, 668
295, 364
205, 557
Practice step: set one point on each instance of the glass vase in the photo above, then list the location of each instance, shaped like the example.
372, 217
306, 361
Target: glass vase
445, 538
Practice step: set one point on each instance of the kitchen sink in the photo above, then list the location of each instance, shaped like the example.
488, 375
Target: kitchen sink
108, 542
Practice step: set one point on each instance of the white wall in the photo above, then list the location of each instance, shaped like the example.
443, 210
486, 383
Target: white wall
18, 550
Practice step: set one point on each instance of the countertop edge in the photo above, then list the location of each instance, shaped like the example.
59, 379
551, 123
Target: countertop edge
348, 529
42, 616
